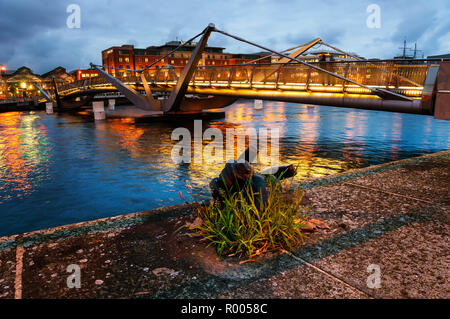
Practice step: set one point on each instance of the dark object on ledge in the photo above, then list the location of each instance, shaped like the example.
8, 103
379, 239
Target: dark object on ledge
237, 175
283, 171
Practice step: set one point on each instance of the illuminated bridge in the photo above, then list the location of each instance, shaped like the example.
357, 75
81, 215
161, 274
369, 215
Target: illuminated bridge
415, 86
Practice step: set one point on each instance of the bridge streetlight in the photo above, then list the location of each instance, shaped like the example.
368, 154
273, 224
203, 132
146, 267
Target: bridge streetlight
3, 84
23, 85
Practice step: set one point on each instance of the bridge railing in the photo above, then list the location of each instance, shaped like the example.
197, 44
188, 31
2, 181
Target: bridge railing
385, 74
13, 99
379, 74
367, 73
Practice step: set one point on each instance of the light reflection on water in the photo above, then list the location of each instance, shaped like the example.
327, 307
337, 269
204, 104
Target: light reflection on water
60, 169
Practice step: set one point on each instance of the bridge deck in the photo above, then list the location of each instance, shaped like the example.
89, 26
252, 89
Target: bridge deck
403, 79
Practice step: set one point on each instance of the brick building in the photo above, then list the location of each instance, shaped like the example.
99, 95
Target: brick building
84, 74
21, 82
130, 58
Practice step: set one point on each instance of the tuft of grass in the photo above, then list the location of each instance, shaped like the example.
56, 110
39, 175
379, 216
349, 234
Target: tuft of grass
237, 227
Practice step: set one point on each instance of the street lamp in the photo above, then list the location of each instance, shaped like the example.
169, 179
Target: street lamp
3, 86
23, 85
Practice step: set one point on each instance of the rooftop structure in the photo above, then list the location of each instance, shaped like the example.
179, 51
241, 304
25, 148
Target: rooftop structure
441, 56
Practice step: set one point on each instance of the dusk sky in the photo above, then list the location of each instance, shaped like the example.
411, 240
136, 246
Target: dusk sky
35, 34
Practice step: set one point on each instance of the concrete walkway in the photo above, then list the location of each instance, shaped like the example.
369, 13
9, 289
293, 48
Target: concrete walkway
390, 219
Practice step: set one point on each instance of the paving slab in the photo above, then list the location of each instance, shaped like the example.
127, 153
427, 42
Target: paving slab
428, 181
119, 262
405, 235
302, 282
345, 207
413, 260
7, 272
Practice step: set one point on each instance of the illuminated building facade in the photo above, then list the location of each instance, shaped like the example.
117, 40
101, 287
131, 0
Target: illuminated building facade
127, 57
84, 74
328, 56
3, 85
19, 83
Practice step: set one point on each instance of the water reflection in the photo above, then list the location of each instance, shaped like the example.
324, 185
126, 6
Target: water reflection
24, 154
59, 169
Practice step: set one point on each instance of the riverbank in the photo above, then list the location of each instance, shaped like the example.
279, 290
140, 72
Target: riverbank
394, 217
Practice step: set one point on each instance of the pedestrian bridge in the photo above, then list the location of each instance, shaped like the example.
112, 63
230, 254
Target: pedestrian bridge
391, 85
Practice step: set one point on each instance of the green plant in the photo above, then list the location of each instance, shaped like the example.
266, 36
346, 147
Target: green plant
236, 226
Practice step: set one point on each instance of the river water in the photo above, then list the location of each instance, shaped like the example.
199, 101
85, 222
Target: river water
60, 169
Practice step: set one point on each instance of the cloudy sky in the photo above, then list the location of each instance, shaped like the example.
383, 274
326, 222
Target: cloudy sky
34, 33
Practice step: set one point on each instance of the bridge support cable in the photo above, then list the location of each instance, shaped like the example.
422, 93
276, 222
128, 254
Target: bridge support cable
173, 103
299, 51
360, 59
58, 100
283, 61
155, 105
184, 43
44, 93
174, 50
305, 47
148, 103
380, 92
